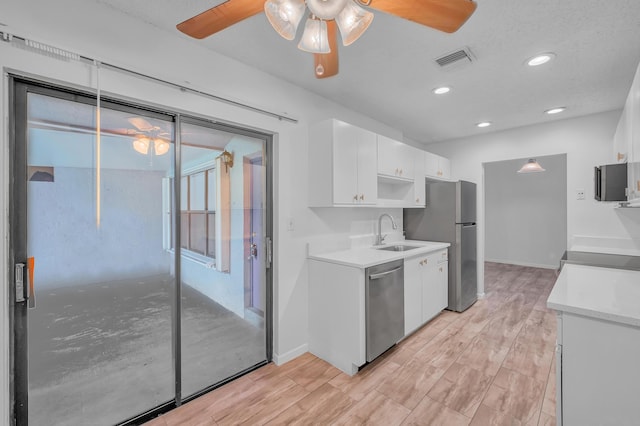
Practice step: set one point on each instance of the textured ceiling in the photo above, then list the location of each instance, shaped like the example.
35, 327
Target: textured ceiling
389, 72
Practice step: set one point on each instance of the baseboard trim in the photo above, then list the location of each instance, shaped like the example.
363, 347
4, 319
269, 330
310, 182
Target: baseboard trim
280, 359
530, 265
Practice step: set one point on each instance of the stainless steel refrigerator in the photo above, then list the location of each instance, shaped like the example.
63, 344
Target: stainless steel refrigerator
450, 216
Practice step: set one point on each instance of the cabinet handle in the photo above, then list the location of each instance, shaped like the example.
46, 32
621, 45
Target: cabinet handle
638, 184
362, 197
396, 172
620, 156
400, 172
440, 269
426, 261
418, 200
355, 197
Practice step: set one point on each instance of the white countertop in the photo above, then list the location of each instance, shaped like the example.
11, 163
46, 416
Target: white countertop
603, 293
364, 257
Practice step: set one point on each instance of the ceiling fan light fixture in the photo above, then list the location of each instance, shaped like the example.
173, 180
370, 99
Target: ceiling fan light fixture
314, 38
531, 166
285, 16
326, 9
353, 21
161, 146
141, 144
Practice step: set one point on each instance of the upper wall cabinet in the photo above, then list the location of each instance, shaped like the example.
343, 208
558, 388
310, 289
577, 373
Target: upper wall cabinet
622, 137
419, 189
342, 165
394, 159
626, 141
633, 166
437, 166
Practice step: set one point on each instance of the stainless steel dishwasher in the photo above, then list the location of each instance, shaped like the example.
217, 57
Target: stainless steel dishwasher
384, 310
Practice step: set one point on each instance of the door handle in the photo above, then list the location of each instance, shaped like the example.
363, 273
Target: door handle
382, 274
20, 283
19, 277
31, 294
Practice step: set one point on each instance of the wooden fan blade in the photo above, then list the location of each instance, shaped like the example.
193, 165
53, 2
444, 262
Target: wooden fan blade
220, 17
140, 124
443, 15
326, 64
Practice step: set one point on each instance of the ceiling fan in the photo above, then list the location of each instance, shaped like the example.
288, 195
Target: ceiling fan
320, 33
147, 136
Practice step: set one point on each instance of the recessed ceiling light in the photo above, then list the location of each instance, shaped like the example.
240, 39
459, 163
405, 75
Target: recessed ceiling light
441, 90
555, 110
484, 124
543, 58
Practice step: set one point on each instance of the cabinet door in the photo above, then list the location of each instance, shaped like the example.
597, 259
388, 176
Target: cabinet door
431, 292
621, 137
346, 139
445, 167
633, 128
431, 164
419, 187
412, 294
394, 158
367, 178
388, 162
443, 284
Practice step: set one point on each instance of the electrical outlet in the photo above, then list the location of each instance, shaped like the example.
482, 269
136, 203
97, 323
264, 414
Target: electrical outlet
579, 194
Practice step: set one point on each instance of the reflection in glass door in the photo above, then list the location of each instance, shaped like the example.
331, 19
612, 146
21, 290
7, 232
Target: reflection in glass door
108, 336
220, 336
97, 334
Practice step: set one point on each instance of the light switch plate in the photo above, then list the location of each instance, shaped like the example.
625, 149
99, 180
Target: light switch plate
579, 194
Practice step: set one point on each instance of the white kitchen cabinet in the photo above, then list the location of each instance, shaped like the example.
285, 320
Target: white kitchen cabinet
337, 329
394, 159
426, 288
342, 165
598, 379
633, 166
412, 294
419, 187
622, 137
437, 166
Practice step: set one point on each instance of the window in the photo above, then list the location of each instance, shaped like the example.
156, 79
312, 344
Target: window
198, 212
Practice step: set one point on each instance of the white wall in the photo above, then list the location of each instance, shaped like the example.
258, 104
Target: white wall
587, 141
117, 39
526, 213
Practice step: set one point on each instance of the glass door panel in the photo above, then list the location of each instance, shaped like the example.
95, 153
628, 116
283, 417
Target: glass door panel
99, 346
222, 335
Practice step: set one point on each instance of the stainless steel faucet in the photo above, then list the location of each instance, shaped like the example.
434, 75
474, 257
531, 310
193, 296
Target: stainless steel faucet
380, 237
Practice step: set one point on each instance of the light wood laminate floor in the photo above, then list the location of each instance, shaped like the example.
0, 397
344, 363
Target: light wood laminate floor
493, 364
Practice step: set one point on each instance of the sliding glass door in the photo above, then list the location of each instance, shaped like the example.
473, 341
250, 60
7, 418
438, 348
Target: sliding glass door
134, 281
221, 335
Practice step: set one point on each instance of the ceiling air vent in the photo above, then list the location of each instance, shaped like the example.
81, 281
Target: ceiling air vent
462, 56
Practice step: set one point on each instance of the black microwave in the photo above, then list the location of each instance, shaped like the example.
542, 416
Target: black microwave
611, 182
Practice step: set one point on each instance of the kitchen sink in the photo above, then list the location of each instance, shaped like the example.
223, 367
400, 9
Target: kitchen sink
398, 247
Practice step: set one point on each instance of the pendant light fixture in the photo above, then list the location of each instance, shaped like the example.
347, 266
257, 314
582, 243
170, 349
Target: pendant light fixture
531, 166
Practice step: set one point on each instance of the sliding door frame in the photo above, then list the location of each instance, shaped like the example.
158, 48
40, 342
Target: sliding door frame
18, 88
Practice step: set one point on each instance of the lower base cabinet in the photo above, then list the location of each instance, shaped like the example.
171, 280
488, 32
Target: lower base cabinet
425, 288
597, 374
